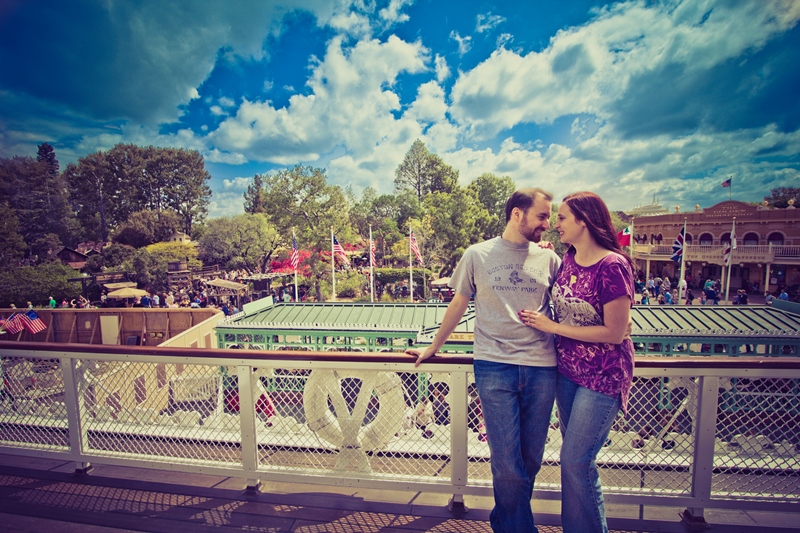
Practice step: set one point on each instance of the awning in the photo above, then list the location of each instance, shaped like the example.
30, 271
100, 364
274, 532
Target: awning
441, 282
119, 285
225, 284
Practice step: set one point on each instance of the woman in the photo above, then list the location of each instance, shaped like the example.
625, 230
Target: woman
592, 296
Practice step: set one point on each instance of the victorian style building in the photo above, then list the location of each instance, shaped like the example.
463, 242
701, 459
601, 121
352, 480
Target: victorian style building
766, 257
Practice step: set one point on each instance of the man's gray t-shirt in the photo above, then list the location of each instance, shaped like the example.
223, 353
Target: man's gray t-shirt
506, 278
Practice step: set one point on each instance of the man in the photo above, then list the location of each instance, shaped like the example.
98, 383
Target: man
515, 366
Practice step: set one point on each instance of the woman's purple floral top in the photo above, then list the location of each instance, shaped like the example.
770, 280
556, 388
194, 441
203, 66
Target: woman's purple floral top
579, 294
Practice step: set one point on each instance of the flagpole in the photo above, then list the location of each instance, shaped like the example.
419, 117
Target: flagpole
333, 267
730, 260
410, 269
371, 269
730, 193
681, 287
294, 245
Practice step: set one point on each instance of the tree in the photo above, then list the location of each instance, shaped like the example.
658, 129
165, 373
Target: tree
245, 241
37, 198
108, 187
116, 255
12, 246
493, 192
779, 197
151, 262
410, 174
148, 227
301, 199
453, 219
36, 284
423, 172
254, 197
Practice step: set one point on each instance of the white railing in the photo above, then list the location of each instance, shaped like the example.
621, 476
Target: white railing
701, 432
766, 252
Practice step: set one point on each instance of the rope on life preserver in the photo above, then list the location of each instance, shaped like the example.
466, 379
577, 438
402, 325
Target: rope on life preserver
344, 429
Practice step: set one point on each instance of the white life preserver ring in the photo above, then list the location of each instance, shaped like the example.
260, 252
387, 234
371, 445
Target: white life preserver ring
344, 429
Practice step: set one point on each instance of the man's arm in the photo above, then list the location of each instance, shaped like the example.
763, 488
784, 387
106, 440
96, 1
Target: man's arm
453, 315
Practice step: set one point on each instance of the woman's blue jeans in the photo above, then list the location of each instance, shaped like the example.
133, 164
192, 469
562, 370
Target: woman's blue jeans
586, 418
516, 402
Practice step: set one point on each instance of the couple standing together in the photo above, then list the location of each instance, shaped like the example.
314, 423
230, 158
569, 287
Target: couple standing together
524, 360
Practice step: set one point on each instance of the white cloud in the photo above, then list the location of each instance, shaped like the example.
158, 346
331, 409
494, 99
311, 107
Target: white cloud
236, 184
350, 105
442, 70
585, 69
392, 13
503, 40
487, 22
216, 110
226, 102
464, 43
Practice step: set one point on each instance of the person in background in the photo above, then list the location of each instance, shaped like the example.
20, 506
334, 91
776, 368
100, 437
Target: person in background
768, 298
592, 297
784, 296
52, 303
689, 296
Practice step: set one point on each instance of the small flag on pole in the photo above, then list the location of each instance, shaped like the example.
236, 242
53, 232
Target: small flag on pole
371, 253
339, 251
729, 247
624, 237
32, 322
415, 247
294, 258
677, 246
726, 183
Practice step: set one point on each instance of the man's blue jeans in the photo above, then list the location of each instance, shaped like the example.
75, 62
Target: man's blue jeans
585, 418
516, 402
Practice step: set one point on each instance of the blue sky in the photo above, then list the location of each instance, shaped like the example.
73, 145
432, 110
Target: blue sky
632, 100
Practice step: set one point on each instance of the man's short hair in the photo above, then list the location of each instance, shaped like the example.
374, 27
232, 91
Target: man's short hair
524, 199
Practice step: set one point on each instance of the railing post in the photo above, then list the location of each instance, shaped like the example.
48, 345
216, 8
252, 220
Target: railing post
247, 421
458, 438
703, 460
73, 401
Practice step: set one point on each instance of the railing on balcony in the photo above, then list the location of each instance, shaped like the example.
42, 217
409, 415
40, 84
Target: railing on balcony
704, 432
763, 253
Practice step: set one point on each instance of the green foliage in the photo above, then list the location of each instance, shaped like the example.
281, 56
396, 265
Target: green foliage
492, 193
245, 241
36, 195
151, 263
108, 187
779, 197
115, 255
422, 172
148, 227
36, 284
12, 246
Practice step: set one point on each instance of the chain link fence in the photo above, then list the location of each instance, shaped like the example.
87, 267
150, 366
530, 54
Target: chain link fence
388, 423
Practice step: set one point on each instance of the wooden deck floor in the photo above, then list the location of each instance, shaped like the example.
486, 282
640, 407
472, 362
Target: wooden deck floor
44, 495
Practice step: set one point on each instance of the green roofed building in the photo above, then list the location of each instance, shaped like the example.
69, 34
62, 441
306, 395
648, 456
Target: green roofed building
376, 327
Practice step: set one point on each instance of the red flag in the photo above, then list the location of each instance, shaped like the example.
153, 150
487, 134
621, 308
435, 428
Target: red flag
624, 237
726, 183
415, 247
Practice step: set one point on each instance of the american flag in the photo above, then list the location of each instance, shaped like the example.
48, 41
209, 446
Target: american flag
13, 324
339, 251
294, 258
371, 253
415, 247
32, 322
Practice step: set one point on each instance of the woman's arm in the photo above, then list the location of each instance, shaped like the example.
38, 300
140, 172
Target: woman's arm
615, 327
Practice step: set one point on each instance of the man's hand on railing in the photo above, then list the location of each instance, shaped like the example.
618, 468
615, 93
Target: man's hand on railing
423, 354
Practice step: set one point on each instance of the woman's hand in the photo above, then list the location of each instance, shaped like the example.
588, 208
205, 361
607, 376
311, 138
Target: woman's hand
539, 321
